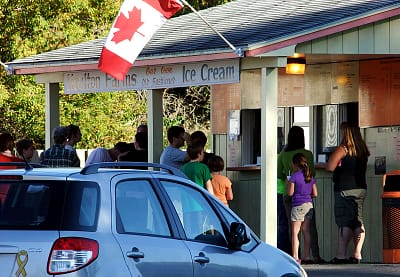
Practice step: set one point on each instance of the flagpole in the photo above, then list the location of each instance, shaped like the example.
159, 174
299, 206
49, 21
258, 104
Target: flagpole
238, 51
5, 67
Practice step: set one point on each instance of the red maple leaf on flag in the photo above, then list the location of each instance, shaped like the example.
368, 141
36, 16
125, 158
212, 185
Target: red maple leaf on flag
127, 26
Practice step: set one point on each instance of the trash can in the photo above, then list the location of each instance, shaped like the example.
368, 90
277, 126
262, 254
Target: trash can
391, 217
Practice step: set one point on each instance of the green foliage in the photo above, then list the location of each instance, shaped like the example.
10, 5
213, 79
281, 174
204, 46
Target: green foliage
20, 108
201, 5
32, 27
104, 118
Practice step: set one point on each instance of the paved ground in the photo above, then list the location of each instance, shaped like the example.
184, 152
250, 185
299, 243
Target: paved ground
360, 270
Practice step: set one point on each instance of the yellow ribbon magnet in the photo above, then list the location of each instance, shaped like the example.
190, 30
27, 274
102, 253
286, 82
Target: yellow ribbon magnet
21, 263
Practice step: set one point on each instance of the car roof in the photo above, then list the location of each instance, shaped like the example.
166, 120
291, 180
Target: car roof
105, 167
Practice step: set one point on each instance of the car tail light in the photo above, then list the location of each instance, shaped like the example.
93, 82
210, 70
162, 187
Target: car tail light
71, 254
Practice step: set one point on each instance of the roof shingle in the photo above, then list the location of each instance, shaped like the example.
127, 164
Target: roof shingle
247, 24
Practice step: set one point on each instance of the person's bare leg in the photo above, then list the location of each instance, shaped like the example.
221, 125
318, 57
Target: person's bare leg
295, 239
305, 226
287, 203
314, 238
345, 235
358, 239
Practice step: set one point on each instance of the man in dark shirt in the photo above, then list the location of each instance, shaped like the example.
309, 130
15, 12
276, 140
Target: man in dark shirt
138, 152
57, 155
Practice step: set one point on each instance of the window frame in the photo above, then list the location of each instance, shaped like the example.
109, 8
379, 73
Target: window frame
158, 197
215, 210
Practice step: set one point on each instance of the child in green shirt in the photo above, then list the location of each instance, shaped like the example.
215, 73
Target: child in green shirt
195, 170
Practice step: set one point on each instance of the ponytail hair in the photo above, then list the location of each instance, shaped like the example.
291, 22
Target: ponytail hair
301, 162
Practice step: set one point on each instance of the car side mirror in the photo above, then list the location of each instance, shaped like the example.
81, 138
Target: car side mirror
238, 235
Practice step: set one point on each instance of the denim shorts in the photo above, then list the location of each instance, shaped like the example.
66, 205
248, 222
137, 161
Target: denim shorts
304, 211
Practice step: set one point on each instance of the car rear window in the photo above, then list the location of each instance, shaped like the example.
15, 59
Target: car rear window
49, 205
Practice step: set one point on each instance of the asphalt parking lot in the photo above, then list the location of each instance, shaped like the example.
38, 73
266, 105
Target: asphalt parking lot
353, 270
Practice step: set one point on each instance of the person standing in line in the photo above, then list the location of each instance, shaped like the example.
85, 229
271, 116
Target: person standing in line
102, 154
221, 184
195, 170
74, 136
7, 156
57, 155
348, 162
25, 149
172, 155
139, 152
142, 128
302, 188
295, 144
200, 137
6, 150
283, 232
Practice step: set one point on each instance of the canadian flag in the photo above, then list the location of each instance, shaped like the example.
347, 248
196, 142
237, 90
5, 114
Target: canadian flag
136, 23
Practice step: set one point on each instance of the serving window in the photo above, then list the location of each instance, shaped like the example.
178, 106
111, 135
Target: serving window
251, 134
329, 118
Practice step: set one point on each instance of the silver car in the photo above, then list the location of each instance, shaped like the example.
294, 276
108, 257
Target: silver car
125, 219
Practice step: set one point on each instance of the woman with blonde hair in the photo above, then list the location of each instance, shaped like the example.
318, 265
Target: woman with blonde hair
349, 165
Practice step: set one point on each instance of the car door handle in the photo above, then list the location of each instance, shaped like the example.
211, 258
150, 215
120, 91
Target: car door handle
201, 258
135, 253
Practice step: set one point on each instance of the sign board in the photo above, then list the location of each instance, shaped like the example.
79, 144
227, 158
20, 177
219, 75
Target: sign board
290, 89
154, 77
345, 79
318, 84
379, 93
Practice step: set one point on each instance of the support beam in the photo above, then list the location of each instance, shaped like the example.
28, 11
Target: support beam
52, 111
155, 124
269, 126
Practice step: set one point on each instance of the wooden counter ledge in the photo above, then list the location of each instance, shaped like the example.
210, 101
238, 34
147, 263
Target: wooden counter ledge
244, 168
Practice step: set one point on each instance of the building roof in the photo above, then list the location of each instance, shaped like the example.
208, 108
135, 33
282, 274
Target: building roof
256, 26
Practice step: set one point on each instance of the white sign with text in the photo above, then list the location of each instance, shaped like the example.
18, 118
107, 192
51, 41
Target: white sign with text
154, 77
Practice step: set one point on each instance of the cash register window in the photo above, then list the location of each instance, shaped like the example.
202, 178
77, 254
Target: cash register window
251, 135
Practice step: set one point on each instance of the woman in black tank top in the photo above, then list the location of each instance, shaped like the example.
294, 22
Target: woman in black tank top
349, 164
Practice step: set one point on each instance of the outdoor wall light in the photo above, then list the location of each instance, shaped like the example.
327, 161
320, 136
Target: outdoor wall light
296, 64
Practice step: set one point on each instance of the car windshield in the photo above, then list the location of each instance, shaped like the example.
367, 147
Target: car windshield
48, 205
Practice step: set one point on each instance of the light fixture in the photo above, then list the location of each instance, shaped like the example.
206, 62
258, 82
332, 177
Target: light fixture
296, 64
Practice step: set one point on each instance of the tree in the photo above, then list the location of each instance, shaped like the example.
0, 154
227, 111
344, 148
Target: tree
32, 27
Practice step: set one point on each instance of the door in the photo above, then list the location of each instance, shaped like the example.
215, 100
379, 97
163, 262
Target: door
29, 215
206, 237
144, 233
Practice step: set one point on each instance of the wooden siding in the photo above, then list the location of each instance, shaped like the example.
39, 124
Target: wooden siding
395, 35
327, 229
382, 37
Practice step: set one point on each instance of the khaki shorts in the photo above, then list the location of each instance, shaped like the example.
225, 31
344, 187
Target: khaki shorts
304, 211
349, 208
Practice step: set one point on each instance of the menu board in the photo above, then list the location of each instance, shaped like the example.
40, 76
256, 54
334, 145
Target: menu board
290, 89
379, 93
344, 82
321, 84
224, 98
318, 84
